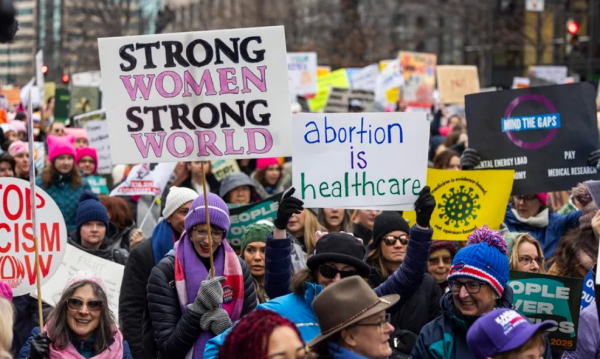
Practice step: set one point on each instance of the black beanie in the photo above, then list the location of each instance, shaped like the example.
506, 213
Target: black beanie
340, 248
388, 222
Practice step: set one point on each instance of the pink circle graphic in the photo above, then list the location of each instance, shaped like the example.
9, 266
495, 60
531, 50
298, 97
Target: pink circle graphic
513, 137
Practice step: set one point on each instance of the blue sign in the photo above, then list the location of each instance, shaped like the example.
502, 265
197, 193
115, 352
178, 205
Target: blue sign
588, 294
535, 122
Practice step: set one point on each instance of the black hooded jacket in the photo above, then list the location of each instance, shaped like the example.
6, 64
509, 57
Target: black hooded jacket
111, 247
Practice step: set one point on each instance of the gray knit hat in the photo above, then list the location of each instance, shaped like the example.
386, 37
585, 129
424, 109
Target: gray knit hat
177, 197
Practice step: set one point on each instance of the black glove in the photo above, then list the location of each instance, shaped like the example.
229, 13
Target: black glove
469, 159
287, 208
424, 206
594, 159
40, 346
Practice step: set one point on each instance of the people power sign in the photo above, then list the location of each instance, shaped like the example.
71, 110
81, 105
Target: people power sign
454, 82
243, 216
545, 134
353, 150
543, 297
199, 96
465, 201
17, 251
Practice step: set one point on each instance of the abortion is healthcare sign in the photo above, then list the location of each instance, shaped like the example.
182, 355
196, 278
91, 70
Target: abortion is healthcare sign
197, 96
368, 160
545, 134
17, 251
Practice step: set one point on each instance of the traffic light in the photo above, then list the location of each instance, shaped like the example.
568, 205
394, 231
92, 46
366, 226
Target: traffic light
65, 78
44, 69
572, 40
572, 27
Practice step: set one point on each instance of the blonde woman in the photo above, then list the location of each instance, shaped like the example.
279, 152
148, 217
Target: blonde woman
303, 227
527, 255
6, 328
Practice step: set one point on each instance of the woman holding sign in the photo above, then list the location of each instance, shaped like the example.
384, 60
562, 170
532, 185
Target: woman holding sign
81, 325
187, 307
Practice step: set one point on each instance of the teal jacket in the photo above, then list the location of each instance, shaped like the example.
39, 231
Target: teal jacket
66, 197
446, 336
292, 306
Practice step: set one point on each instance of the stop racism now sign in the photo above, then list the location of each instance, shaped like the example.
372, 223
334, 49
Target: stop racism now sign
17, 251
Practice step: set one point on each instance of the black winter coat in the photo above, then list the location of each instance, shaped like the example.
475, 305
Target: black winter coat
422, 307
110, 250
176, 332
134, 314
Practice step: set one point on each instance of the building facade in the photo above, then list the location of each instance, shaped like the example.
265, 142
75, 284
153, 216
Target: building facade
16, 58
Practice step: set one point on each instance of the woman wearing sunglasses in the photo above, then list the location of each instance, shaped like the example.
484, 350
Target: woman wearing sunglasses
478, 282
386, 253
527, 255
337, 256
440, 259
80, 326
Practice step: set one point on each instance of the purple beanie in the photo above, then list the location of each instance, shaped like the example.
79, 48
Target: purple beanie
217, 210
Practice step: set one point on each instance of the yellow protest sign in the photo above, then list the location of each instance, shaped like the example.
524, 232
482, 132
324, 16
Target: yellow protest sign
419, 77
466, 200
454, 82
392, 95
337, 78
323, 71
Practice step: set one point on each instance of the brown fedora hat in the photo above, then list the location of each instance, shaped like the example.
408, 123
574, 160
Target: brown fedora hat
347, 302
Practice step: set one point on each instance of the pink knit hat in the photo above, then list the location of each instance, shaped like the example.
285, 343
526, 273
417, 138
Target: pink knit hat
6, 291
87, 151
60, 145
263, 163
543, 197
83, 276
77, 133
18, 147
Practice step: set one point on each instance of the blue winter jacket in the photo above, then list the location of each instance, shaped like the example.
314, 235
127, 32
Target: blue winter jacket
278, 274
66, 197
446, 336
549, 236
24, 352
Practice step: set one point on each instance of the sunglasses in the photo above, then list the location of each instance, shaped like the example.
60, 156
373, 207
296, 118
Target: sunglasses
390, 240
77, 304
436, 260
330, 272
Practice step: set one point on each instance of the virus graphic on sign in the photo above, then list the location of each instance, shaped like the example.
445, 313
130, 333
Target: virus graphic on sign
458, 207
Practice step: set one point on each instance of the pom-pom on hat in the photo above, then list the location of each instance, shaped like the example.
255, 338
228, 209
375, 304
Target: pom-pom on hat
483, 259
90, 209
60, 145
87, 151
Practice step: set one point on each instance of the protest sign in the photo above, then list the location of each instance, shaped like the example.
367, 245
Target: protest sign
243, 216
392, 95
198, 96
339, 99
337, 78
222, 168
87, 79
49, 90
419, 78
520, 83
545, 134
97, 131
83, 100
39, 156
466, 200
17, 252
61, 105
553, 74
77, 260
302, 72
543, 297
365, 78
455, 82
146, 179
98, 184
588, 294
39, 74
323, 70
12, 94
353, 149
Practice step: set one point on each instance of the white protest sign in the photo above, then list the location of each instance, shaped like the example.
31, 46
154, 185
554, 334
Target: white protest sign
146, 179
77, 260
520, 82
223, 168
97, 131
197, 96
39, 156
39, 75
353, 152
17, 251
302, 72
87, 79
554, 74
365, 78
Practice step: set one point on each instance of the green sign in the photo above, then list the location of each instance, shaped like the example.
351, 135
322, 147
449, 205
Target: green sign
61, 105
243, 216
549, 298
98, 184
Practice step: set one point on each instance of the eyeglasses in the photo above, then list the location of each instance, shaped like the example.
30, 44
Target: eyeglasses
526, 260
330, 272
77, 304
215, 234
435, 260
381, 324
390, 240
473, 287
525, 198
